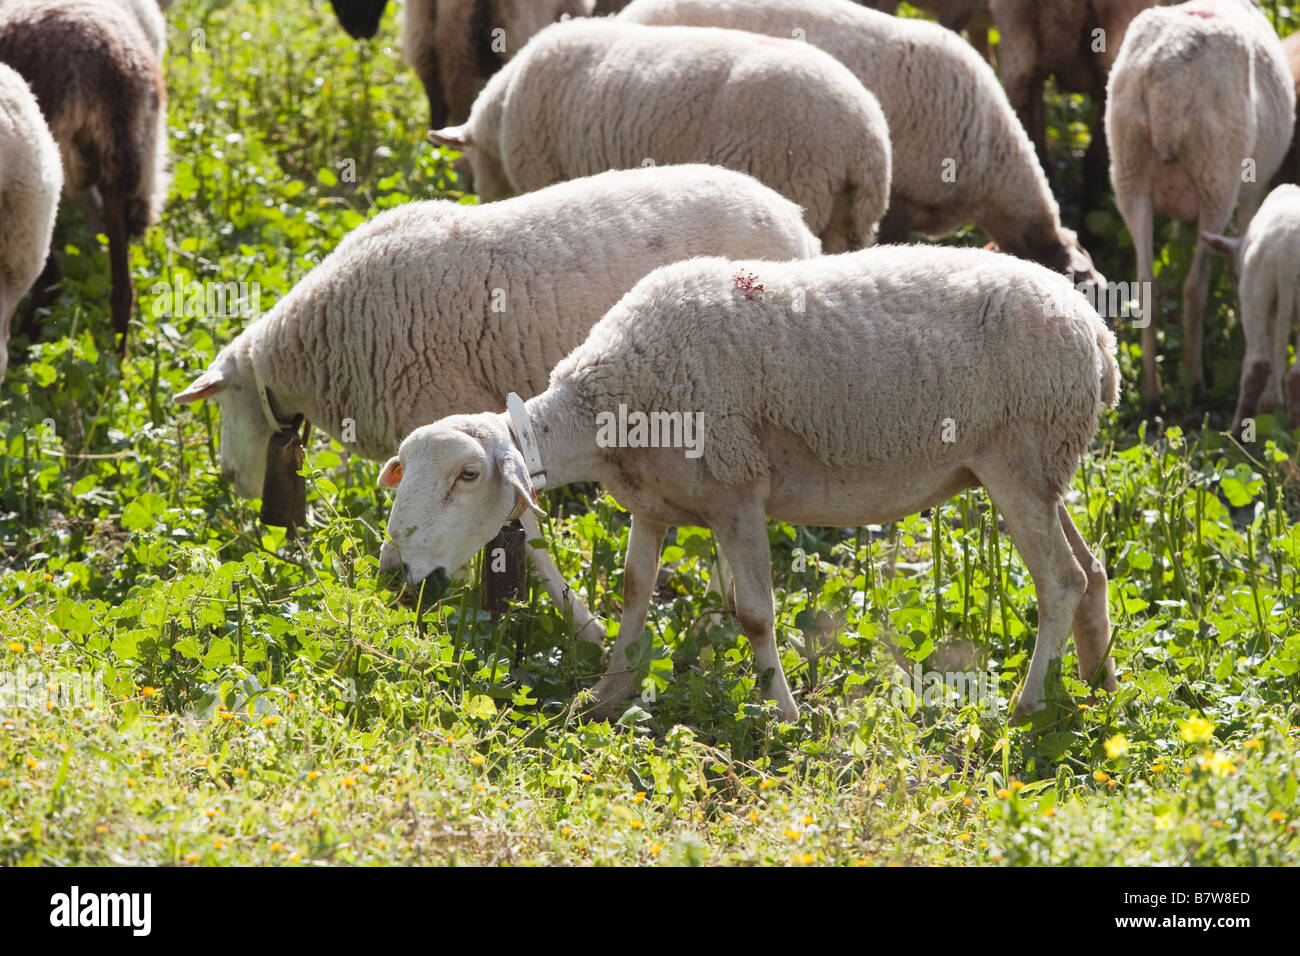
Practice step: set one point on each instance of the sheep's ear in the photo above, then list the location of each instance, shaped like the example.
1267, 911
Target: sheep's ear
516, 475
456, 137
391, 475
205, 386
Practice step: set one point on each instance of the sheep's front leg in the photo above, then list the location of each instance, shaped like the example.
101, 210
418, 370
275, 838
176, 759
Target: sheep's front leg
640, 571
122, 298
585, 624
743, 539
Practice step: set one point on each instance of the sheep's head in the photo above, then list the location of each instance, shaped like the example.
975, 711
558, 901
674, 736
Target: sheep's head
360, 18
244, 429
458, 481
1078, 264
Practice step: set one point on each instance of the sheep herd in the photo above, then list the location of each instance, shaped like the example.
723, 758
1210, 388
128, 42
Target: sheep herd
690, 260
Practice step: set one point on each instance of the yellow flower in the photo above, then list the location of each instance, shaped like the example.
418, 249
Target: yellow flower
1050, 812
313, 774
191, 857
1252, 744
241, 772
586, 778
1003, 793
33, 763
566, 831
130, 782
479, 787
792, 834
655, 848
1101, 776
966, 801
101, 829
143, 837
1195, 730
1218, 763
365, 768
16, 647
1017, 785
963, 837
209, 813
1116, 747
148, 691
1164, 821
803, 859
270, 720
476, 760
277, 846
1277, 817
808, 820
1112, 783
218, 843
769, 783
1157, 767
635, 824
349, 781
753, 816
294, 858
640, 797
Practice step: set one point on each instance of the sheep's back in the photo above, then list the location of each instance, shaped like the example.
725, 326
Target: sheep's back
895, 349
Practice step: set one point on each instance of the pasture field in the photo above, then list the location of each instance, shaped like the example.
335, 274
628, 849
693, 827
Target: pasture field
181, 685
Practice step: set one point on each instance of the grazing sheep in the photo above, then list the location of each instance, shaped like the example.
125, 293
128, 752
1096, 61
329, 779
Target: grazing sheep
99, 83
596, 94
30, 180
455, 45
1201, 112
959, 153
463, 304
1267, 262
844, 390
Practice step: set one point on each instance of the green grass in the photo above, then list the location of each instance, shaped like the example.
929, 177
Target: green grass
183, 685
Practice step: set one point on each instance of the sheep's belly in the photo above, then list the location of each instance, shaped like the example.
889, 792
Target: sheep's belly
852, 499
1173, 193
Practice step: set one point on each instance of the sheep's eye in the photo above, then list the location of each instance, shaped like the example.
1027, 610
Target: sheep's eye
469, 474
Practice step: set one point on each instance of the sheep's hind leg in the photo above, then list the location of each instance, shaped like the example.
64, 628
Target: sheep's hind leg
122, 298
585, 624
743, 538
1033, 519
640, 570
1092, 618
1213, 218
1139, 216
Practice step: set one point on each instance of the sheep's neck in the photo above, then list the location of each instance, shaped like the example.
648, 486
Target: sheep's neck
566, 438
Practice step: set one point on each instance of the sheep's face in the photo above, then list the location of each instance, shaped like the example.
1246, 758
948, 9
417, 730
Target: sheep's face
244, 430
458, 481
360, 18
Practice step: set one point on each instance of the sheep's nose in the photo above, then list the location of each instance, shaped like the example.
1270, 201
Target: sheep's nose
389, 559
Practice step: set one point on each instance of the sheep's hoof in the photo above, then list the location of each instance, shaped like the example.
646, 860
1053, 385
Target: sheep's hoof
610, 696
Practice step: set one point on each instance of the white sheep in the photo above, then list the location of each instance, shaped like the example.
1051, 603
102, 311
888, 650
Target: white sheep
463, 304
959, 153
99, 82
602, 93
843, 390
1200, 113
31, 178
1267, 262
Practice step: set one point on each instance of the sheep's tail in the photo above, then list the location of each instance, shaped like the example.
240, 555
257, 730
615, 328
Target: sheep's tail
1109, 371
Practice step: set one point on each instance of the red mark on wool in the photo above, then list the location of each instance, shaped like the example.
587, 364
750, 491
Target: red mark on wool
1204, 14
745, 283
